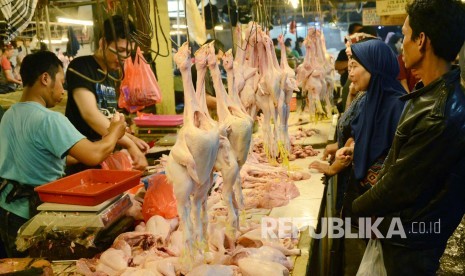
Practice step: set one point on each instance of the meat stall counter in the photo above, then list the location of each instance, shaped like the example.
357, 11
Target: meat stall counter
315, 200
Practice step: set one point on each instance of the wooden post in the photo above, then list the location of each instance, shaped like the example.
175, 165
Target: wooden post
164, 64
47, 29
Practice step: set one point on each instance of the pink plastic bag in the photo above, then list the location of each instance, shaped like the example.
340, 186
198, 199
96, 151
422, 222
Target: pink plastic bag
159, 199
120, 160
139, 87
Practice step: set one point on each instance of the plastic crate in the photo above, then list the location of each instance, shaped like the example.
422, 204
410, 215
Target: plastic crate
159, 120
89, 187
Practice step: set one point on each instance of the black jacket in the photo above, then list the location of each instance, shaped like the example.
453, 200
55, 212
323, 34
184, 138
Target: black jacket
423, 178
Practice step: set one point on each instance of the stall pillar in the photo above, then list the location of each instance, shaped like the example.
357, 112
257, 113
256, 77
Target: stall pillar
164, 64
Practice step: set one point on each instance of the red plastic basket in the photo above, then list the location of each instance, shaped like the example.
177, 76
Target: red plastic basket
159, 120
89, 187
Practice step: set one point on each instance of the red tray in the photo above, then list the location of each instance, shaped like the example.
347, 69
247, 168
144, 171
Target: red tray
89, 187
159, 120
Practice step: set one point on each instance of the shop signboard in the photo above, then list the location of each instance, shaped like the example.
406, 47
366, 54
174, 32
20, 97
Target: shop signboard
390, 7
393, 20
370, 18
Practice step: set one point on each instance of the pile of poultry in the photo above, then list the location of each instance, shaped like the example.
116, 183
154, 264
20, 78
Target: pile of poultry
264, 84
315, 75
158, 246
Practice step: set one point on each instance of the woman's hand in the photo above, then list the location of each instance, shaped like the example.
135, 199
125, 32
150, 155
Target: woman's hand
322, 168
330, 151
345, 155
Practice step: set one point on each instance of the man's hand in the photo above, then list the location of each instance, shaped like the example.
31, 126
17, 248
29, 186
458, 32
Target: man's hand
117, 125
141, 144
139, 162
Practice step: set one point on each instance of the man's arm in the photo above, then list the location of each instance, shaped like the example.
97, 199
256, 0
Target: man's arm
418, 162
71, 160
94, 153
141, 144
87, 105
211, 102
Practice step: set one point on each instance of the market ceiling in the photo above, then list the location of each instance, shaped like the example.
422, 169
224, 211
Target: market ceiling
220, 3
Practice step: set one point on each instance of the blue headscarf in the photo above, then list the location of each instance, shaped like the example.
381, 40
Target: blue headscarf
374, 127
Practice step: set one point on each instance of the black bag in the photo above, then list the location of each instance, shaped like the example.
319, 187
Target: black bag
22, 191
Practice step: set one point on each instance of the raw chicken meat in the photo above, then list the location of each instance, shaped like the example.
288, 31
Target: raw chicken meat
233, 86
269, 91
248, 60
290, 86
160, 228
214, 270
236, 126
314, 75
254, 238
192, 158
265, 253
161, 266
132, 271
138, 241
254, 267
231, 113
218, 240
112, 262
175, 244
226, 161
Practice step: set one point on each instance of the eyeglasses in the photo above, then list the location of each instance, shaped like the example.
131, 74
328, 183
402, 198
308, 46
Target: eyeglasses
122, 53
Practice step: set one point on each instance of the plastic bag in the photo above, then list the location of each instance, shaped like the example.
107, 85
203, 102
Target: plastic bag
125, 92
139, 88
120, 160
372, 262
159, 199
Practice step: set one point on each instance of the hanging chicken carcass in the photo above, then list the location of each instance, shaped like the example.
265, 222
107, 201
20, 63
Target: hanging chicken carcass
191, 159
236, 126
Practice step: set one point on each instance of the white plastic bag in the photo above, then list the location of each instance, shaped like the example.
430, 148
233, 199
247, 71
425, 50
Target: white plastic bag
372, 262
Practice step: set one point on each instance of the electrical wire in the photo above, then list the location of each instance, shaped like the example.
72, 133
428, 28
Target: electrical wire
157, 24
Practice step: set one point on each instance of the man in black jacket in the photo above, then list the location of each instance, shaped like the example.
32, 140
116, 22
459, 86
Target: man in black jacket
422, 183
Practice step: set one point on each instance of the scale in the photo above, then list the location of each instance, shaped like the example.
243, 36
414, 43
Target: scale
69, 216
74, 225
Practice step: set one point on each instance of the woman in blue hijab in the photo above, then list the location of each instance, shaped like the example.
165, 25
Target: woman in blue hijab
373, 68
374, 128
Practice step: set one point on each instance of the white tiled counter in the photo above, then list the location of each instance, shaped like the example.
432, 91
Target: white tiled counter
305, 208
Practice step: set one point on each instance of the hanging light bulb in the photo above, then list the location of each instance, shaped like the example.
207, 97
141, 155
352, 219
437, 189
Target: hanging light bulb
294, 3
